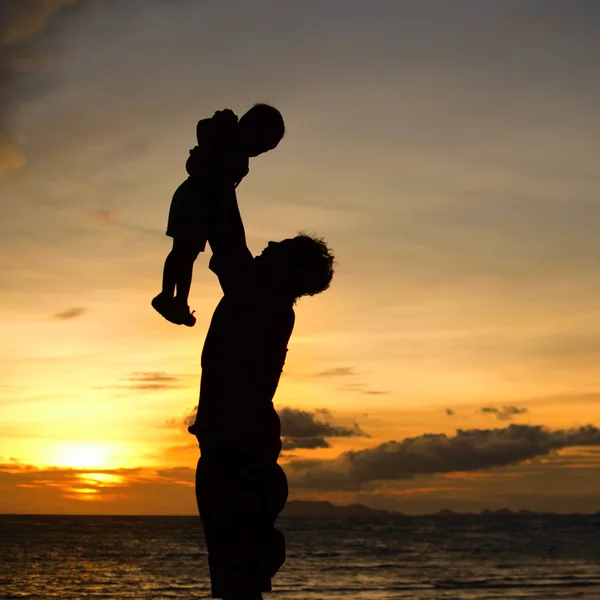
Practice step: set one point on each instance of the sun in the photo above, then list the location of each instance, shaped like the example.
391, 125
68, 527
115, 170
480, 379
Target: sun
82, 455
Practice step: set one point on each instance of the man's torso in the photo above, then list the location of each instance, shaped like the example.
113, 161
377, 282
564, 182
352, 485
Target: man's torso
242, 361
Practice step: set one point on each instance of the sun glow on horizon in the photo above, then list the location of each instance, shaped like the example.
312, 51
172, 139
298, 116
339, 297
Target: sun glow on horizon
85, 494
101, 479
82, 455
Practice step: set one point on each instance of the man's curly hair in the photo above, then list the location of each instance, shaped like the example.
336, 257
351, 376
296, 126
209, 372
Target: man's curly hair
313, 265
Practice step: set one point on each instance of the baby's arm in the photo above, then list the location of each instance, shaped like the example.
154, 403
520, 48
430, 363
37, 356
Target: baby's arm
214, 135
212, 130
233, 165
204, 131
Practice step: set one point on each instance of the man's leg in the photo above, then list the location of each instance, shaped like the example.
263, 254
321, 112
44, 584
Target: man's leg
238, 540
273, 500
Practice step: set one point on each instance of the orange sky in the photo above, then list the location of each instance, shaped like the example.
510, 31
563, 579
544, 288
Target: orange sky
448, 154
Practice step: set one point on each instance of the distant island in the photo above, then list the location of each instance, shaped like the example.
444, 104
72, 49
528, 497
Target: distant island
311, 508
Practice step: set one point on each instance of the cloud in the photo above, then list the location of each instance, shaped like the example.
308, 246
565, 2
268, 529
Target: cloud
190, 418
300, 429
152, 380
27, 489
181, 452
358, 387
104, 216
336, 372
20, 22
361, 388
305, 444
182, 424
468, 450
23, 20
71, 313
10, 155
308, 430
505, 413
149, 381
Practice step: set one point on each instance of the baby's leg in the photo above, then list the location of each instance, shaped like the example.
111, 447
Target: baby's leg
178, 270
183, 256
170, 274
177, 275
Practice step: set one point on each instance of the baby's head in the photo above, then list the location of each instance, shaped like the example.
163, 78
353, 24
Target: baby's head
261, 129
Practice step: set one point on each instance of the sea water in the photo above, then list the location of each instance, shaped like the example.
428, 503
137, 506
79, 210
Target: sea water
466, 557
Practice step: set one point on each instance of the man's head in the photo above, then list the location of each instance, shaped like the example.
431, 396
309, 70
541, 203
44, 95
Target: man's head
296, 267
261, 129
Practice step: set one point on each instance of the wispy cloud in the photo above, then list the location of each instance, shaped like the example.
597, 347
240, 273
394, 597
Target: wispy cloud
152, 380
182, 423
10, 155
189, 419
336, 372
21, 21
504, 413
351, 386
71, 313
361, 388
104, 216
149, 381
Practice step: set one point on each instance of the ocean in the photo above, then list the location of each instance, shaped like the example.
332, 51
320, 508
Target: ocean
466, 557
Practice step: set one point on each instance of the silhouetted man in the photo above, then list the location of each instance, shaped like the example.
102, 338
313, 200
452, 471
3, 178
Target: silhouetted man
240, 488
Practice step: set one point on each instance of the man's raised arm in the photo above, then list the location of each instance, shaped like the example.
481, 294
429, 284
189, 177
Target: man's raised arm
231, 259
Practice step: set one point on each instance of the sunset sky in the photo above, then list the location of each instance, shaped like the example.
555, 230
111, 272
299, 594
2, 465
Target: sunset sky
447, 151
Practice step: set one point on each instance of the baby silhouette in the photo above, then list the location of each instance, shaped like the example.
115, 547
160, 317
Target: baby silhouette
220, 160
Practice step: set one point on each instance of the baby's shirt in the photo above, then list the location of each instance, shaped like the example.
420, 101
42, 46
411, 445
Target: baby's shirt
217, 153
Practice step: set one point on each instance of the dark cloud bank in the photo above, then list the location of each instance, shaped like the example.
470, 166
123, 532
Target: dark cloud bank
468, 450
